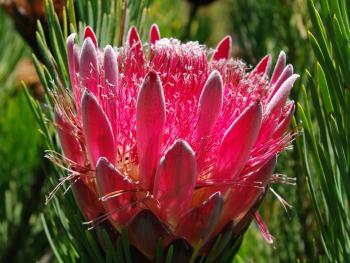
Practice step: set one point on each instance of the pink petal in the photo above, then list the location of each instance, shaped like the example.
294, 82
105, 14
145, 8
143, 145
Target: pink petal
210, 104
70, 145
280, 64
199, 222
154, 34
238, 141
111, 182
73, 64
287, 72
150, 122
264, 65
281, 95
110, 92
89, 33
263, 175
134, 39
223, 49
135, 45
240, 199
76, 57
71, 61
263, 228
86, 200
201, 194
284, 124
246, 220
110, 67
109, 179
97, 130
88, 66
175, 180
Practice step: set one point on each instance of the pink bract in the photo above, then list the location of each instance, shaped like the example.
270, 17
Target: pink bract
171, 136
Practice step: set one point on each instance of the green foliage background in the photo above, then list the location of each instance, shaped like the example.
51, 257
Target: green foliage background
314, 34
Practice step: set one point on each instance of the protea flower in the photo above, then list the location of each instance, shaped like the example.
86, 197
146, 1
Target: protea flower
171, 140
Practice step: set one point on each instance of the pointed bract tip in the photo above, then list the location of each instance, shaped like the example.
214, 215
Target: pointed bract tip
181, 146
278, 79
286, 73
152, 79
257, 105
87, 97
133, 36
215, 75
217, 197
110, 66
109, 57
108, 49
216, 78
152, 76
290, 68
86, 93
89, 33
281, 95
210, 104
291, 79
223, 49
102, 161
154, 34
87, 42
214, 81
282, 54
279, 67
154, 26
88, 49
264, 65
70, 39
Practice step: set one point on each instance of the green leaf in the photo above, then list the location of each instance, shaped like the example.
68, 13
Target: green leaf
322, 83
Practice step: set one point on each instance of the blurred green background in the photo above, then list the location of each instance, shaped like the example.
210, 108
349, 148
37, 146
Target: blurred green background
257, 28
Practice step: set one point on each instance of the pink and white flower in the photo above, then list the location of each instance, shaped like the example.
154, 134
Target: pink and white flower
171, 140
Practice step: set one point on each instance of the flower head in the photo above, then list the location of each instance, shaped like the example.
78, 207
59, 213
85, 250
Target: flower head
171, 140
